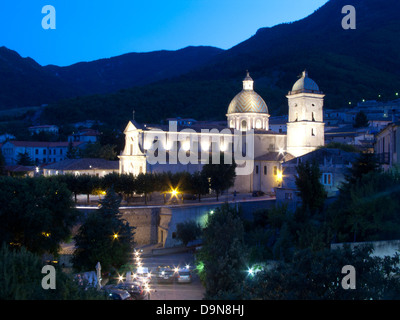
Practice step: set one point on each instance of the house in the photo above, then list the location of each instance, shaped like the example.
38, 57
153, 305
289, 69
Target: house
333, 164
40, 152
44, 128
90, 166
84, 135
19, 170
387, 146
363, 138
6, 136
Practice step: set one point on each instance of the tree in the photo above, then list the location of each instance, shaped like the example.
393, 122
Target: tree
188, 231
367, 209
312, 192
145, 184
36, 213
2, 163
96, 150
317, 275
24, 159
87, 184
72, 152
21, 279
221, 176
361, 120
199, 184
365, 163
223, 253
104, 237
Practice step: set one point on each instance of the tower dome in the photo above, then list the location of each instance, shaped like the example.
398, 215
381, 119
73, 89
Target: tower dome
247, 109
305, 84
247, 100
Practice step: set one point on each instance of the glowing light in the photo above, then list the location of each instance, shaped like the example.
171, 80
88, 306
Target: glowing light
115, 235
279, 176
250, 271
187, 266
281, 150
212, 212
176, 269
174, 192
200, 266
120, 278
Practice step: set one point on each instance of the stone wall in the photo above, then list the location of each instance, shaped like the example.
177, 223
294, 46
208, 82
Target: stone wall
157, 224
145, 220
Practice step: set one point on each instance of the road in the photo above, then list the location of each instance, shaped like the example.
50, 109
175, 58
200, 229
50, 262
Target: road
174, 291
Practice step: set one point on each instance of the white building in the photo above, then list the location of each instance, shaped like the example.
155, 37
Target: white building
89, 166
53, 129
40, 152
247, 114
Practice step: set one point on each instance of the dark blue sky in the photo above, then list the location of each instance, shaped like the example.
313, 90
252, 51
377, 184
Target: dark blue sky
92, 29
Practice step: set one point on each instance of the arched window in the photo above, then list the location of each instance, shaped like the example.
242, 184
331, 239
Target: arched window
244, 125
258, 124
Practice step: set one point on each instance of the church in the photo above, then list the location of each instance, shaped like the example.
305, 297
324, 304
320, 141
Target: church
245, 136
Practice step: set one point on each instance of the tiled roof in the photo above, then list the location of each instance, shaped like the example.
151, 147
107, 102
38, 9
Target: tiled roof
43, 144
334, 156
275, 156
84, 164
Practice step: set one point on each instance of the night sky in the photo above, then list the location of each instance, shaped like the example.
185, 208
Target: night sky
92, 29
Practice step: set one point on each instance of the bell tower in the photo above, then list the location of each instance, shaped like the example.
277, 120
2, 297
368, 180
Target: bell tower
305, 127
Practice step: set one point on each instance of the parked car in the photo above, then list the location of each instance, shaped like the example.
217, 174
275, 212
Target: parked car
114, 293
135, 289
164, 274
184, 275
189, 196
258, 193
143, 275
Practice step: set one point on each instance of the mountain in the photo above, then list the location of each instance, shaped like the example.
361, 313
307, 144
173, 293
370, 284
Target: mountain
348, 65
23, 82
132, 69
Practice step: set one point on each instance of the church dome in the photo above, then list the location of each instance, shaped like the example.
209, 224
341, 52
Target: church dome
247, 100
305, 84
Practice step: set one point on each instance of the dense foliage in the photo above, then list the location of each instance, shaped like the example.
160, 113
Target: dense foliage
105, 237
22, 275
35, 213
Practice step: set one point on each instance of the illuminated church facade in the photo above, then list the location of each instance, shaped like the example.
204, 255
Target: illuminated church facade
176, 147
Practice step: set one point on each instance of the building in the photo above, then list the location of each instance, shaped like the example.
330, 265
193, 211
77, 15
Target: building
40, 152
387, 145
84, 135
90, 166
44, 128
333, 164
6, 136
258, 151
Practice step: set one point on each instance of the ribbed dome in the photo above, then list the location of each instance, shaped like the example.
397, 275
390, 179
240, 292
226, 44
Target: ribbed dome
305, 84
247, 100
